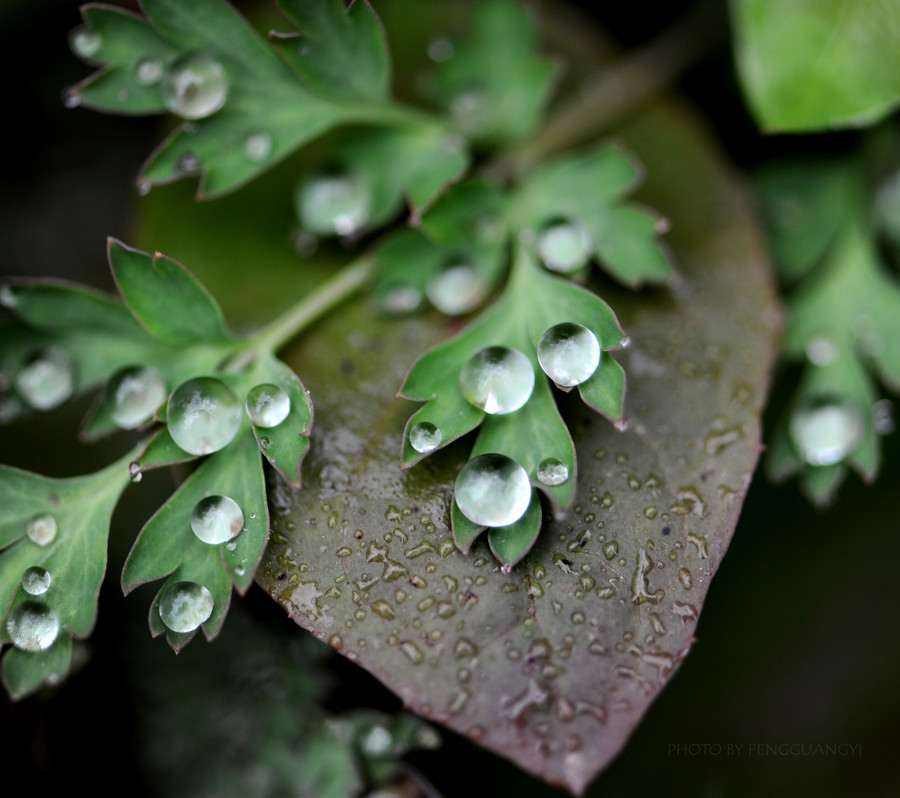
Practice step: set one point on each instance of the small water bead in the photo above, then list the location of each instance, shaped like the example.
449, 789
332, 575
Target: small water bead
826, 432
441, 50
36, 580
183, 606
41, 529
148, 71
194, 87
258, 147
267, 405
133, 395
334, 204
457, 289
402, 299
32, 626
552, 471
493, 490
85, 41
497, 379
203, 415
217, 519
188, 164
564, 247
569, 354
424, 437
47, 379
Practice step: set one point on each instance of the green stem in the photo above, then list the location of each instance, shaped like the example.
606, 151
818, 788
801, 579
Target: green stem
297, 318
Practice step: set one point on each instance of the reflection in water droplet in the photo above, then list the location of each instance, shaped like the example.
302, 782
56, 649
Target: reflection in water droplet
183, 606
497, 379
47, 378
267, 405
85, 41
424, 437
456, 289
32, 626
564, 247
825, 432
493, 490
569, 354
148, 71
41, 529
194, 87
217, 519
552, 471
334, 204
258, 147
203, 415
133, 395
36, 580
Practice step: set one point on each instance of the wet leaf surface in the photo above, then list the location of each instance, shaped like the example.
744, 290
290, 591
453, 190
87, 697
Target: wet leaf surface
553, 664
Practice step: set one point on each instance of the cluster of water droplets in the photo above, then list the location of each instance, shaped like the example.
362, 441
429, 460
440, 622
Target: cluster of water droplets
825, 431
47, 378
267, 405
203, 415
564, 246
194, 86
569, 354
133, 394
183, 606
334, 204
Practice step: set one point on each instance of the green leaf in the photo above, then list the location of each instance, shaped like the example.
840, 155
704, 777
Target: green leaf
340, 51
511, 543
605, 391
818, 64
494, 85
26, 671
165, 297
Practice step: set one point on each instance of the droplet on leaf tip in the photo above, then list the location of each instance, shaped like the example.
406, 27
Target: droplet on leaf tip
493, 490
267, 405
183, 606
552, 471
569, 353
425, 437
85, 41
32, 626
825, 431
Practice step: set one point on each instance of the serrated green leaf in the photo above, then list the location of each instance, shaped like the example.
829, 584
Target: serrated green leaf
628, 246
340, 50
165, 297
511, 543
160, 450
817, 64
26, 671
495, 86
473, 206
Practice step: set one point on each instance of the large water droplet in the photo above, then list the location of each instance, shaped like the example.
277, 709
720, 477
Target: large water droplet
564, 247
184, 606
825, 432
258, 146
456, 290
85, 41
194, 87
47, 379
569, 353
36, 580
133, 394
424, 437
334, 204
41, 529
267, 405
32, 626
203, 415
493, 490
497, 379
217, 519
552, 471
148, 71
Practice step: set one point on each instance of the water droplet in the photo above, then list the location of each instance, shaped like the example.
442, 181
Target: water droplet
424, 437
267, 405
564, 247
686, 579
883, 417
85, 41
383, 609
826, 431
610, 550
569, 353
134, 472
183, 606
148, 71
376, 742
457, 289
32, 626
412, 651
552, 471
204, 415
493, 490
194, 87
497, 379
334, 204
821, 351
8, 296
258, 146
188, 164
41, 529
401, 299
217, 519
47, 379
440, 50
36, 580
133, 394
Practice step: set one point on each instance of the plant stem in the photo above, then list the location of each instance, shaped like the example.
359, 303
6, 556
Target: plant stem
312, 307
617, 90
